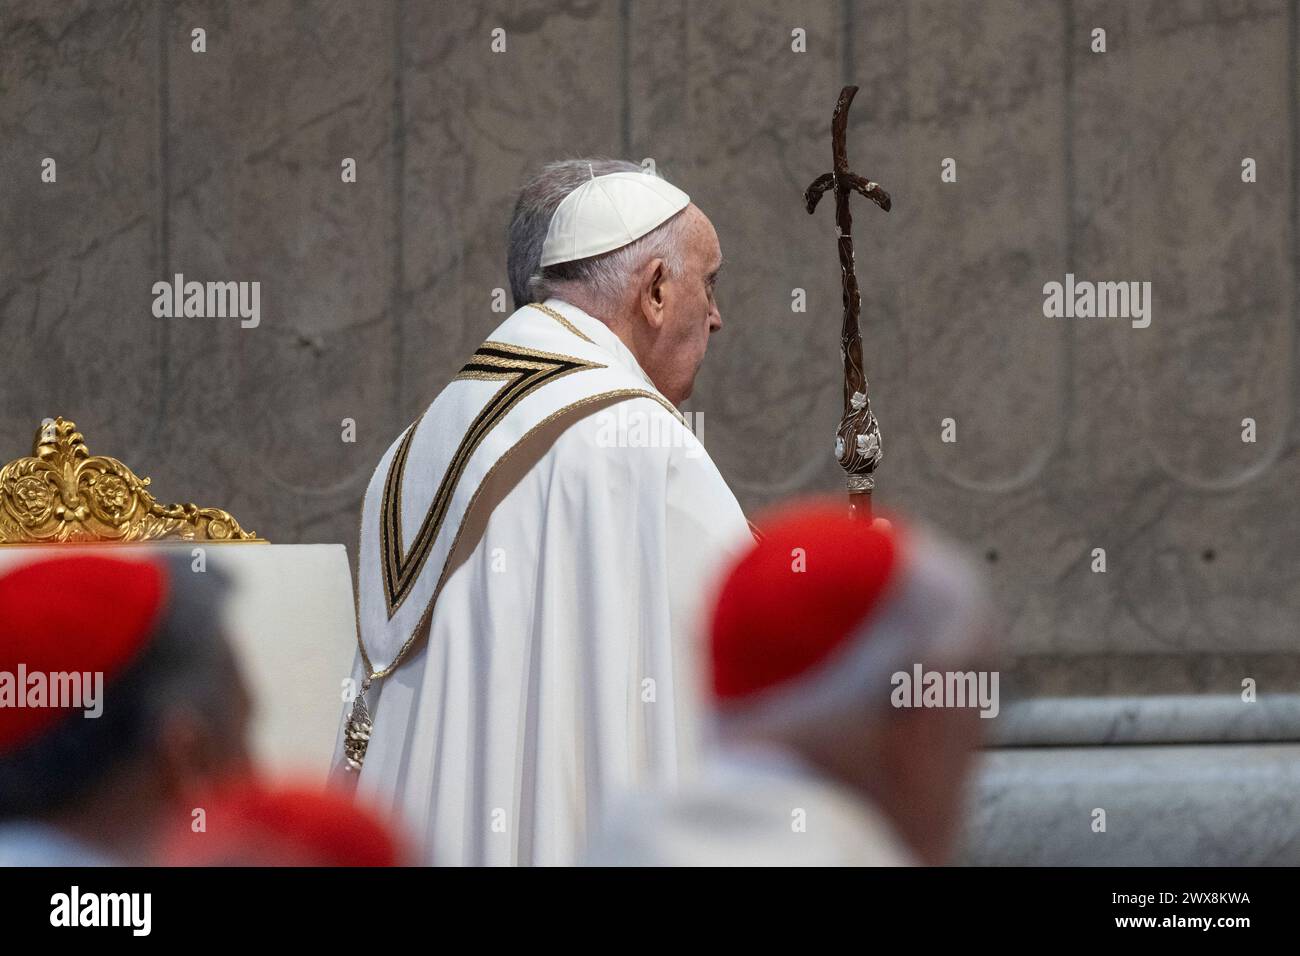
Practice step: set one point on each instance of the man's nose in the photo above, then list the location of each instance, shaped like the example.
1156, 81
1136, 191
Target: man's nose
715, 320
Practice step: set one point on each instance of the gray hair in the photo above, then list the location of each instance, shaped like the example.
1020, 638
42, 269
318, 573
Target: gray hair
603, 278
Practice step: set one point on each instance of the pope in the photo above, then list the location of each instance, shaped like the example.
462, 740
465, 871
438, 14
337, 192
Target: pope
528, 577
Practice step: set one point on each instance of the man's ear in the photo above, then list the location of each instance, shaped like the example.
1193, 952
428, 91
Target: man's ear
180, 749
653, 278
191, 752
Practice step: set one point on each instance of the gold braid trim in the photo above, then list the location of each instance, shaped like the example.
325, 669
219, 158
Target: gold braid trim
621, 393
523, 371
561, 319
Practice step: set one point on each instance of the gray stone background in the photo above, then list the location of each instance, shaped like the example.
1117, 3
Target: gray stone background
1071, 434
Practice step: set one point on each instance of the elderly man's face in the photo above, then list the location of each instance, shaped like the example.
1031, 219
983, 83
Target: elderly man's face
690, 314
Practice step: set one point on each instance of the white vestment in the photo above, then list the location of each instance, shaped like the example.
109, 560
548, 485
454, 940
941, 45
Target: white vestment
571, 555
751, 807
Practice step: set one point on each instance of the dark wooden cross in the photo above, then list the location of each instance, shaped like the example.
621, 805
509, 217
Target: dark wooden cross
857, 440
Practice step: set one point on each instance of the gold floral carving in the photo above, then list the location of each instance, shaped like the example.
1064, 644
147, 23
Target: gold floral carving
63, 493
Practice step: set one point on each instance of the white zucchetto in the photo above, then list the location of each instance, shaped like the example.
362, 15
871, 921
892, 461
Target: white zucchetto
607, 212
